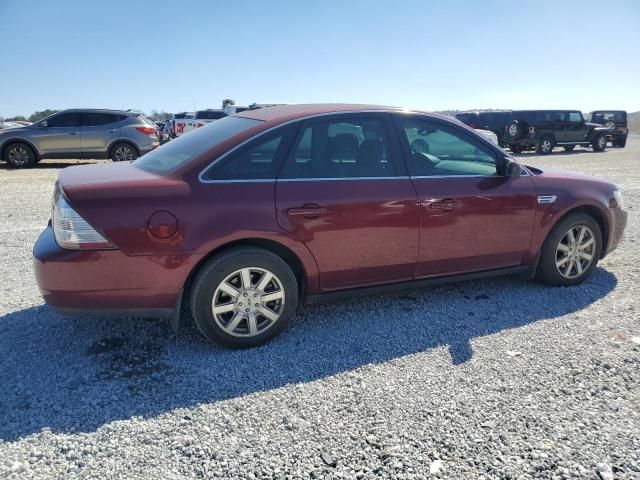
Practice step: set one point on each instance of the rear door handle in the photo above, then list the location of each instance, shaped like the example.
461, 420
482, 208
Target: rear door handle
73, 133
446, 204
309, 211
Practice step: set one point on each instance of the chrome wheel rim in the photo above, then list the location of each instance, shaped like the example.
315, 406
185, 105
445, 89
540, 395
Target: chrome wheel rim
123, 154
546, 145
18, 155
601, 142
248, 302
575, 251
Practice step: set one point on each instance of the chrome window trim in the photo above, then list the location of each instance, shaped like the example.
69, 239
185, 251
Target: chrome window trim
317, 115
265, 132
324, 179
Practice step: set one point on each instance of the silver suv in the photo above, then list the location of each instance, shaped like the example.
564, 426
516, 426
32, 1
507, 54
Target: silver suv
114, 134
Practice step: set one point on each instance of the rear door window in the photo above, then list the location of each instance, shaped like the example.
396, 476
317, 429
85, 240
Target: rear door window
96, 119
342, 148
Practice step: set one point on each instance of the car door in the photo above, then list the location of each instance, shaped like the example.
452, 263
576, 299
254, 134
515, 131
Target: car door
576, 128
473, 217
344, 192
60, 135
560, 126
98, 131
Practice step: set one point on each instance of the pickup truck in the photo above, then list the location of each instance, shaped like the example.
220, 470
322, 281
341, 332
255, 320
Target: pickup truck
196, 120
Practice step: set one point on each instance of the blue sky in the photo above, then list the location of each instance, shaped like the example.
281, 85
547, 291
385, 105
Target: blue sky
425, 54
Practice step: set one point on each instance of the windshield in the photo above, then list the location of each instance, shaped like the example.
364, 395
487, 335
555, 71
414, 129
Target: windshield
170, 156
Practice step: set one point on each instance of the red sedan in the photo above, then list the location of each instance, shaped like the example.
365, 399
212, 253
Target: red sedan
247, 218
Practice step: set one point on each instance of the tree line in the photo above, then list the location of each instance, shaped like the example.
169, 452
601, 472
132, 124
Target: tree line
155, 115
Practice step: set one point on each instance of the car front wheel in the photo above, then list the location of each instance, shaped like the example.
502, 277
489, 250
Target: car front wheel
123, 152
244, 297
545, 145
20, 155
571, 251
599, 143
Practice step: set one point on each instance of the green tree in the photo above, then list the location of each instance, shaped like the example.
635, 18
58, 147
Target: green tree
17, 117
34, 117
227, 101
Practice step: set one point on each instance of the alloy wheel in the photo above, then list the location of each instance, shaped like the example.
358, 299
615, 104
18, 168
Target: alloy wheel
575, 251
513, 130
123, 154
18, 155
602, 141
546, 146
248, 302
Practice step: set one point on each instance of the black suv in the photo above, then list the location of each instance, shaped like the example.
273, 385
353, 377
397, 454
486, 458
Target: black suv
493, 121
616, 123
545, 129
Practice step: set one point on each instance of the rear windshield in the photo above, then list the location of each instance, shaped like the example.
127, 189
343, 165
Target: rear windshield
601, 117
210, 114
170, 156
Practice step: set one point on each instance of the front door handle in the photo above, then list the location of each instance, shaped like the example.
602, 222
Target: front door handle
446, 204
73, 133
307, 211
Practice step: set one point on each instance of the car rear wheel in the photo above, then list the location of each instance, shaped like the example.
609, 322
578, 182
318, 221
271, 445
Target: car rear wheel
569, 148
515, 148
244, 297
571, 251
545, 145
599, 143
123, 152
620, 143
20, 155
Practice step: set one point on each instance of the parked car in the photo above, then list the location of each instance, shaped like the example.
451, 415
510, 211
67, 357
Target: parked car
199, 119
495, 122
616, 123
115, 134
489, 135
179, 122
257, 213
545, 129
5, 125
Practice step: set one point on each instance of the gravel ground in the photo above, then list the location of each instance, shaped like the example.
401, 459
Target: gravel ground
492, 379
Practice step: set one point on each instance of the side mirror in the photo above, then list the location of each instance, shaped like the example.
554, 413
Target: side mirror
43, 124
513, 169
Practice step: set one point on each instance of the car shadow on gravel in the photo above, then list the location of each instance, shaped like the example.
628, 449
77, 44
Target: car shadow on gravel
76, 375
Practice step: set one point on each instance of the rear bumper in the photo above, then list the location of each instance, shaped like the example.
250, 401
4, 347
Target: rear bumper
107, 282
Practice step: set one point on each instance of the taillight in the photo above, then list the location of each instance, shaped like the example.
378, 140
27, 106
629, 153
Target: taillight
71, 230
146, 130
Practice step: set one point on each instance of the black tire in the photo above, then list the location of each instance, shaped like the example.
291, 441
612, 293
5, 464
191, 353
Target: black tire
219, 268
515, 130
621, 142
545, 145
599, 143
569, 148
123, 152
547, 270
19, 155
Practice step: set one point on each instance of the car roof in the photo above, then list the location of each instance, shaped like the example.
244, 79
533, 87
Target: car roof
281, 113
100, 110
609, 111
